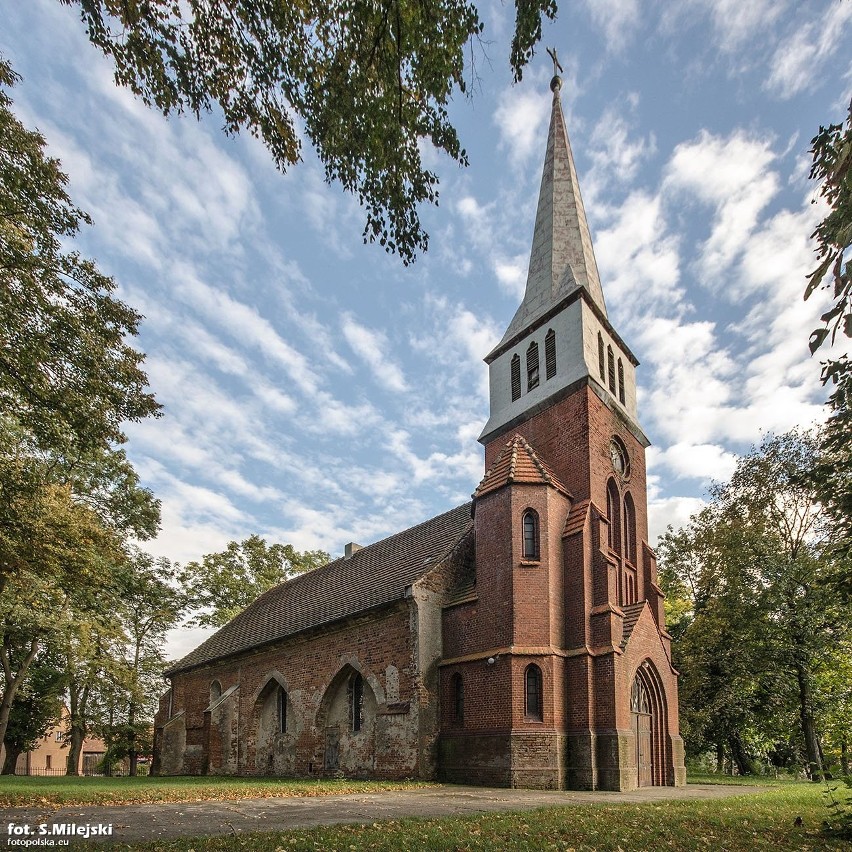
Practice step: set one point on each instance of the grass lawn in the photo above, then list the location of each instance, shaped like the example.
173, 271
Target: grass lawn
23, 791
739, 824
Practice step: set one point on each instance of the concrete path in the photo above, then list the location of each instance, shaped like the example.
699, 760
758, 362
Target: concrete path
138, 823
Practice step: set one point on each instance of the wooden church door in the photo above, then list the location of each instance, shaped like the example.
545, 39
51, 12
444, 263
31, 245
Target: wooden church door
640, 712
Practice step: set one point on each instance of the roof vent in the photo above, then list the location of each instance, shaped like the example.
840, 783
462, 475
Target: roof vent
350, 549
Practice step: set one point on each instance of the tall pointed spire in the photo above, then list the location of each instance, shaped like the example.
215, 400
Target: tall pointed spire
562, 258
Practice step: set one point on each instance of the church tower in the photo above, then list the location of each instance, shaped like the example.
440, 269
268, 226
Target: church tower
557, 665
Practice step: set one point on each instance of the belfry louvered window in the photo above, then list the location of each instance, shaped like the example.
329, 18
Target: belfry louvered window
516, 377
550, 354
610, 364
532, 366
601, 366
620, 382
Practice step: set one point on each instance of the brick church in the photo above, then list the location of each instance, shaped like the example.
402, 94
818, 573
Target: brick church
518, 640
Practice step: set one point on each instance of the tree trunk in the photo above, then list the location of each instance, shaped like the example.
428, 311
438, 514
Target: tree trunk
806, 716
720, 758
77, 726
11, 759
131, 741
745, 765
12, 681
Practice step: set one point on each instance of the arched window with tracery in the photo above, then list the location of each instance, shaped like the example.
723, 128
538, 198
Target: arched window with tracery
531, 548
613, 506
516, 377
532, 366
550, 354
532, 693
457, 686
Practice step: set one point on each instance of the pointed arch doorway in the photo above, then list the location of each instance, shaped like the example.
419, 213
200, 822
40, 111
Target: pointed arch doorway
648, 717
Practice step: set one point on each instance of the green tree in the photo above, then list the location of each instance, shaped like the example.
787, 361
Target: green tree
831, 149
67, 374
364, 82
37, 708
223, 584
766, 617
150, 605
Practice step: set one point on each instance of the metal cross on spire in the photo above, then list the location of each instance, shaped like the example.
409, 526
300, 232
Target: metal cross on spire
556, 82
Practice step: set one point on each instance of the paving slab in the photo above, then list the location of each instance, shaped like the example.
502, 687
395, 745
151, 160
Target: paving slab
139, 823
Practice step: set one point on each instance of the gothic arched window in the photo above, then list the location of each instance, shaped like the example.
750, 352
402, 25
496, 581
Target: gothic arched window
215, 691
530, 529
532, 693
516, 377
356, 701
613, 503
532, 366
281, 710
550, 354
601, 366
620, 382
629, 529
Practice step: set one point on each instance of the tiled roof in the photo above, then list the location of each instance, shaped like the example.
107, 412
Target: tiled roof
577, 518
517, 462
631, 616
375, 575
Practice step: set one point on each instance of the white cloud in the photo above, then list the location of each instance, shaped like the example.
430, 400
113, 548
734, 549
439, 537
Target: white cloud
617, 18
798, 62
521, 116
732, 174
372, 348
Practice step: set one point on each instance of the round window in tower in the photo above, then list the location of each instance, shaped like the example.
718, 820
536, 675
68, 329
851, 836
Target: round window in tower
620, 458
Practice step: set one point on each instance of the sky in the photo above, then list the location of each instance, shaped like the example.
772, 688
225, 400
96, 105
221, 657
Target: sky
317, 392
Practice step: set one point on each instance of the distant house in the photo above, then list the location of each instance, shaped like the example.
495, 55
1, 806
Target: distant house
50, 757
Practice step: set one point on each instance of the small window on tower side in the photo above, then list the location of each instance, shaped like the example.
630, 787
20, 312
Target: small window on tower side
620, 382
532, 693
532, 366
610, 363
530, 529
601, 367
516, 377
550, 354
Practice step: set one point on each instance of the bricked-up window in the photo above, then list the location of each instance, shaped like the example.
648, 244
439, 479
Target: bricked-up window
532, 366
629, 529
613, 503
550, 354
47, 761
601, 366
610, 365
532, 693
530, 528
356, 702
281, 710
620, 382
458, 698
516, 377
215, 691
